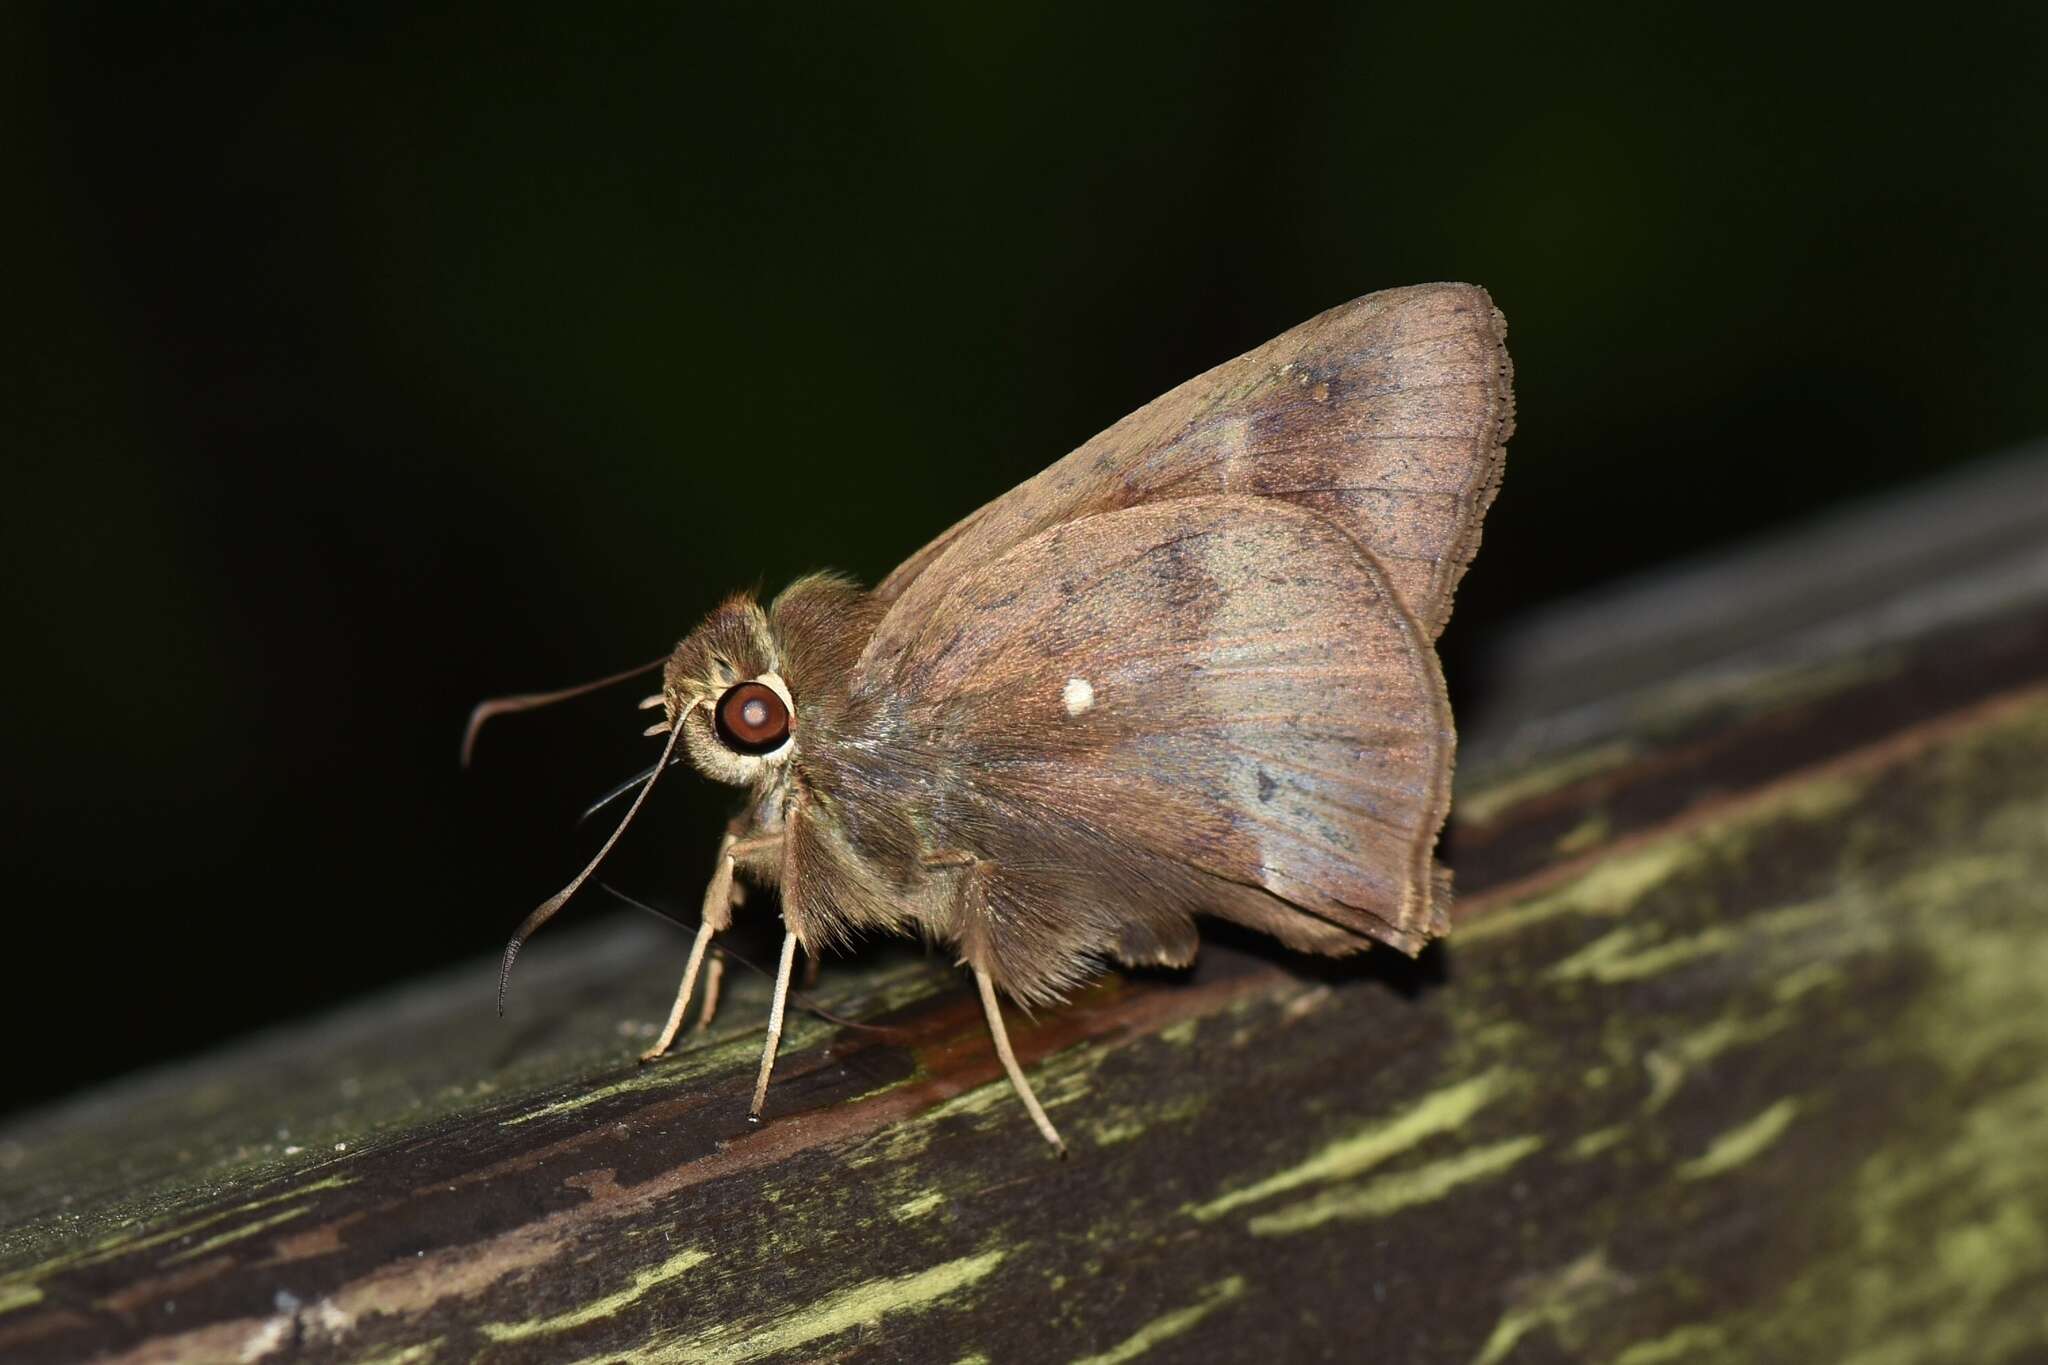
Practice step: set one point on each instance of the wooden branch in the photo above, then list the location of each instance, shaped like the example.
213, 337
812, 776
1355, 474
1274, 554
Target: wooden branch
1738, 1053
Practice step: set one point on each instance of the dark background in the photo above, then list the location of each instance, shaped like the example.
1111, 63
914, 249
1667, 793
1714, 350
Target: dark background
366, 363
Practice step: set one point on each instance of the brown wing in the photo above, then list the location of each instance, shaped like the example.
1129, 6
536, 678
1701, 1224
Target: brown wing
1388, 414
1209, 704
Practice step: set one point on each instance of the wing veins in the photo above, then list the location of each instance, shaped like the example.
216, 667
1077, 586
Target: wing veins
1185, 647
1297, 834
1361, 488
1341, 779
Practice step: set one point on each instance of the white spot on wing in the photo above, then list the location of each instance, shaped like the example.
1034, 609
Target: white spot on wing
1079, 695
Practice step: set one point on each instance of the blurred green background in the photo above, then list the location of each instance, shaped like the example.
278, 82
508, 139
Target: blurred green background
370, 360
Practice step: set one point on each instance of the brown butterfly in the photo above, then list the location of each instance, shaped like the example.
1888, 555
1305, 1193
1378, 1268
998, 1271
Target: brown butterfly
1188, 670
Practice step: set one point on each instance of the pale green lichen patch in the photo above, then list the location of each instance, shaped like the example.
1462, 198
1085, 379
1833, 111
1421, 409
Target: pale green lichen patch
1742, 1143
1670, 1065
1690, 1342
1812, 977
1588, 833
133, 1239
1062, 1081
1596, 1142
677, 1071
1815, 799
1619, 883
220, 1240
863, 1305
904, 1141
1554, 1302
604, 1306
1611, 888
1396, 1191
419, 1353
692, 1060
1168, 1325
1488, 799
1441, 1112
920, 1205
1127, 1122
1113, 1131
1632, 953
1181, 1033
891, 990
1666, 1074
1493, 1037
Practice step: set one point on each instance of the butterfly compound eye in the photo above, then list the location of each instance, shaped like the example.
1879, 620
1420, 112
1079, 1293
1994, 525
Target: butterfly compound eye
752, 719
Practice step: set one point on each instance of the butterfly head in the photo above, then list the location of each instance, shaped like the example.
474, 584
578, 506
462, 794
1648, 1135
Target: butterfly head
724, 687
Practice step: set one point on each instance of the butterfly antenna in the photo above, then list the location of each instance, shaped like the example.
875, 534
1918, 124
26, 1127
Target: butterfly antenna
547, 908
527, 701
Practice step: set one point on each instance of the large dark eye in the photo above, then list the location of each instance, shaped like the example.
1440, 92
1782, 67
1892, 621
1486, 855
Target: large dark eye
752, 719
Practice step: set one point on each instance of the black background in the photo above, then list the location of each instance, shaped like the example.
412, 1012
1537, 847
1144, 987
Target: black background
367, 362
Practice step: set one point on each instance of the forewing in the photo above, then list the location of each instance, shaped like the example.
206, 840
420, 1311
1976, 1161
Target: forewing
1211, 703
1388, 414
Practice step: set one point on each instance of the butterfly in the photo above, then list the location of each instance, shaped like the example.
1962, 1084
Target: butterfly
1189, 670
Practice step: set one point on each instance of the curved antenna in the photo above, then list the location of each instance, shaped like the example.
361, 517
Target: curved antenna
545, 911
527, 701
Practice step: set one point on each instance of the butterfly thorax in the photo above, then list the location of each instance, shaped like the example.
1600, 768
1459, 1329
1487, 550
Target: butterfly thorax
843, 777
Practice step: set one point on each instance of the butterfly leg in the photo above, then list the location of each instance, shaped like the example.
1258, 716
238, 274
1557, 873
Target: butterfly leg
675, 1015
782, 973
719, 898
714, 977
973, 871
714, 970
994, 1010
